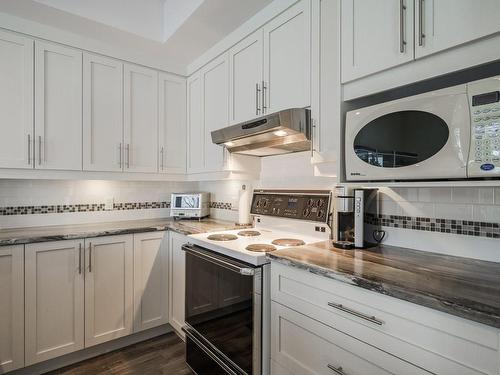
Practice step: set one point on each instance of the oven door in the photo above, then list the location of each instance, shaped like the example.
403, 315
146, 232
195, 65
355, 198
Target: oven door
416, 138
223, 317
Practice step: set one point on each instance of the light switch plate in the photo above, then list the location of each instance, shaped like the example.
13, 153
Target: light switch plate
109, 204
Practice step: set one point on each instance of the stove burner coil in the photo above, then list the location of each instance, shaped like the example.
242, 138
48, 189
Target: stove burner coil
222, 237
249, 233
260, 248
288, 242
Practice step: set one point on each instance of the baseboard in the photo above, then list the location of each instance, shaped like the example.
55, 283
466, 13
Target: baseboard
94, 351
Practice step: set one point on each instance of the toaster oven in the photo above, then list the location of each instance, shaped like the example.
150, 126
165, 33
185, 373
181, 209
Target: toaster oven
190, 205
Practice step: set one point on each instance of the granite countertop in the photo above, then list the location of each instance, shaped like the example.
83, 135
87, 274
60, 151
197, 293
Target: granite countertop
65, 232
464, 287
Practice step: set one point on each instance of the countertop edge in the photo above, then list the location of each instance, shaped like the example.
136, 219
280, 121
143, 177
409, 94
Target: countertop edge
425, 300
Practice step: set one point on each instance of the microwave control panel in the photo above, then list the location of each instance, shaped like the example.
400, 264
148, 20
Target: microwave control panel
311, 207
484, 102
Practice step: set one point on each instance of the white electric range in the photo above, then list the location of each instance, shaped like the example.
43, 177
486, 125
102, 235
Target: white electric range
227, 281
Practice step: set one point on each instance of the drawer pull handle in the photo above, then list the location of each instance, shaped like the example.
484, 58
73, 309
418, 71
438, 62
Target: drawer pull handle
341, 307
337, 370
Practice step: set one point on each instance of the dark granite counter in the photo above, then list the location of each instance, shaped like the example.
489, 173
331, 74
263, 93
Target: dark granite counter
65, 232
459, 286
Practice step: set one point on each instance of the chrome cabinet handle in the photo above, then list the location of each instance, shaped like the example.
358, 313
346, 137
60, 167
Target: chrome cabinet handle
402, 16
313, 129
337, 370
421, 34
257, 99
161, 157
29, 149
128, 154
80, 258
120, 154
369, 318
264, 104
39, 150
90, 257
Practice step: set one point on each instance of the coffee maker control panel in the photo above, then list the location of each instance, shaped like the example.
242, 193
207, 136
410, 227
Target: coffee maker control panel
299, 206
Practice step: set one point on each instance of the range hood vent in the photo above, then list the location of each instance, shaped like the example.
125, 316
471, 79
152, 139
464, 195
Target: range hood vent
278, 133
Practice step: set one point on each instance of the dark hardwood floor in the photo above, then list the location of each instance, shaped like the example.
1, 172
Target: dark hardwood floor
161, 355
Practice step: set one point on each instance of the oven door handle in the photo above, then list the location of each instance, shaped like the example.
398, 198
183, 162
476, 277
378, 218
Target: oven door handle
235, 267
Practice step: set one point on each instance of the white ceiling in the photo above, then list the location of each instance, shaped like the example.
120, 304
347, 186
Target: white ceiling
173, 31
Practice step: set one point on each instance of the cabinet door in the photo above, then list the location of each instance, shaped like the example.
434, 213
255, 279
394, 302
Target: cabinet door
102, 113
108, 288
140, 119
376, 35
177, 281
215, 110
11, 308
58, 107
287, 59
245, 78
172, 124
150, 280
325, 89
196, 137
441, 24
16, 101
54, 299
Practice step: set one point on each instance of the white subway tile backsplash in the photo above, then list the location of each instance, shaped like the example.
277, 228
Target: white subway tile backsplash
434, 195
486, 213
453, 211
497, 196
486, 195
417, 209
407, 194
465, 195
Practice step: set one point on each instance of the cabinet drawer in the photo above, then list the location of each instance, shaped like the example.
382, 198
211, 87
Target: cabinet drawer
305, 346
438, 342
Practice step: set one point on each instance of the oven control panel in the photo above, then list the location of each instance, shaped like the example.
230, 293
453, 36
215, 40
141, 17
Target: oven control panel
484, 153
312, 207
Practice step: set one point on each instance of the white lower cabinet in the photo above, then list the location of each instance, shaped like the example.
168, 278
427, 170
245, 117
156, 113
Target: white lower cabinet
54, 289
11, 308
108, 288
432, 340
305, 346
177, 281
150, 280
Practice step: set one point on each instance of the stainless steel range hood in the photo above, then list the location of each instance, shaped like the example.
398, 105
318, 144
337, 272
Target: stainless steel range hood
278, 133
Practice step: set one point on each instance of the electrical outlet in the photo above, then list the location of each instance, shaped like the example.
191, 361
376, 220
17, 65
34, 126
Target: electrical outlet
109, 203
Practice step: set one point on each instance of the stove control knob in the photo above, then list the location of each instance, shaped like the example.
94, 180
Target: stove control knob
310, 202
320, 213
320, 203
306, 212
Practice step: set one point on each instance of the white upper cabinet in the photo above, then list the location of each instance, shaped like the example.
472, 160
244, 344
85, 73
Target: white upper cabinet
54, 299
16, 101
140, 119
58, 107
108, 288
11, 308
245, 78
215, 114
441, 24
287, 59
376, 35
172, 124
195, 138
102, 113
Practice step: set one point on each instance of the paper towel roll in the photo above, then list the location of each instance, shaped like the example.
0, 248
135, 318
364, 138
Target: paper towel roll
244, 206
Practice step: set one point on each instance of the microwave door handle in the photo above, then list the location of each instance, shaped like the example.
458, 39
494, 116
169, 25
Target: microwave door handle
245, 271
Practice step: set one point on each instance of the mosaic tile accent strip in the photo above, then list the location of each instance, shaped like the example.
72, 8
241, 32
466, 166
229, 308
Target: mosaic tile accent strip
64, 208
463, 227
221, 205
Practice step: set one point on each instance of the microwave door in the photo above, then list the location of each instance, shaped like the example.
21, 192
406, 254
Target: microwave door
422, 138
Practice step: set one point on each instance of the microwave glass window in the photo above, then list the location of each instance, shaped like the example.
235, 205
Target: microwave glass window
400, 139
187, 201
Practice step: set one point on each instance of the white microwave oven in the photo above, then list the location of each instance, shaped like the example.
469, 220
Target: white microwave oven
190, 205
453, 133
